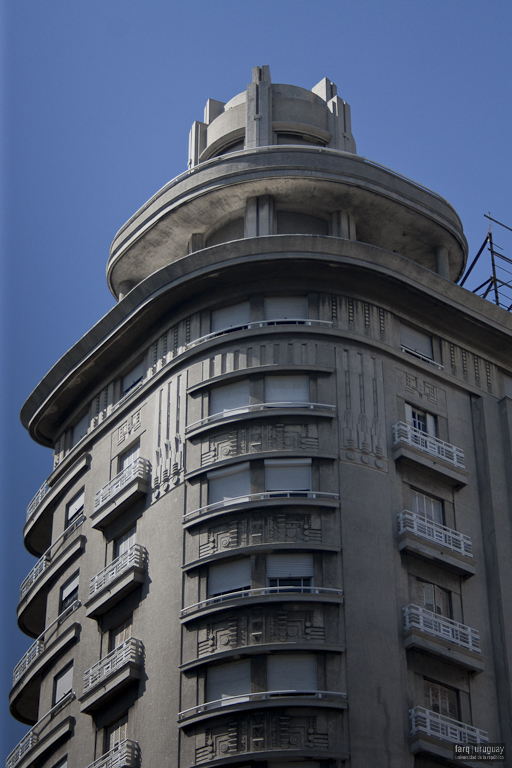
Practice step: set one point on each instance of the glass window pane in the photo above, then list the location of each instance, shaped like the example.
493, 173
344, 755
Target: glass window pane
63, 684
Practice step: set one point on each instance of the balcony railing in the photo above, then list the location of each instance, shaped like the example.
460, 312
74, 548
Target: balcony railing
137, 470
30, 740
126, 754
260, 497
439, 626
263, 696
445, 728
440, 534
260, 592
42, 492
405, 433
46, 559
40, 645
255, 408
425, 358
132, 558
129, 652
259, 324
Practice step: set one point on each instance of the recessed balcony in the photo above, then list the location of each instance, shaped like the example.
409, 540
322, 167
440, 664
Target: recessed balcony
266, 594
413, 445
123, 490
126, 754
434, 541
432, 733
122, 576
112, 674
442, 637
317, 409
56, 638
31, 608
46, 734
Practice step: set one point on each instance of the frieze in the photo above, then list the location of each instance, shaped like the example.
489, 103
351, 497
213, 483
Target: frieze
258, 438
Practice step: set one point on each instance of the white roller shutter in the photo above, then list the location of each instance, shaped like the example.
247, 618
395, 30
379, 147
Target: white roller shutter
286, 308
129, 457
287, 389
288, 475
416, 341
292, 672
229, 483
427, 507
63, 684
69, 588
133, 377
125, 542
230, 576
230, 397
228, 680
290, 566
230, 317
75, 507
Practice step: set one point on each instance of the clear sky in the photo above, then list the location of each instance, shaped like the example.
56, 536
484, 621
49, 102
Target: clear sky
98, 99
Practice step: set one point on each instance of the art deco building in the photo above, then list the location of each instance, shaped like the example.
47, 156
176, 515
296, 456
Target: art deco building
277, 532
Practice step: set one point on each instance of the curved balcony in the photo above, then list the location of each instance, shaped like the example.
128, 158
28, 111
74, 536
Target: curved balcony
260, 324
320, 409
26, 676
122, 491
268, 594
112, 674
431, 732
317, 498
434, 541
122, 576
45, 734
126, 754
414, 445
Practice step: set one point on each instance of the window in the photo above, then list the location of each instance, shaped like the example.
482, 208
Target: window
63, 683
227, 680
233, 576
69, 592
231, 483
427, 507
124, 542
415, 342
80, 429
75, 507
230, 317
62, 764
132, 379
117, 733
129, 457
287, 389
292, 571
288, 475
230, 397
120, 634
439, 698
433, 598
286, 308
420, 420
292, 672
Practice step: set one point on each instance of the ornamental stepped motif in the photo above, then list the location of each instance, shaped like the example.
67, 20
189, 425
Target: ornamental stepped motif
259, 438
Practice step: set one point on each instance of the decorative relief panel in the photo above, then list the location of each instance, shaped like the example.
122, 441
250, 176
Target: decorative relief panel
258, 529
129, 426
170, 417
262, 731
420, 387
261, 625
259, 437
469, 367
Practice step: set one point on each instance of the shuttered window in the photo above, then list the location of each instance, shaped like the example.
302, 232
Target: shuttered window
286, 308
232, 576
416, 341
120, 634
228, 680
75, 507
230, 317
288, 475
62, 684
124, 542
117, 733
230, 397
439, 698
133, 378
69, 592
421, 420
290, 566
292, 672
428, 507
80, 429
127, 458
287, 389
231, 483
433, 598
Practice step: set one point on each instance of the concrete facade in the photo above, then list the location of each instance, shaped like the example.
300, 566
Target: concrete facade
278, 529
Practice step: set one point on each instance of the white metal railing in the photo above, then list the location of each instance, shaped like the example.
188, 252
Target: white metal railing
428, 529
45, 560
445, 728
129, 652
42, 492
425, 358
259, 592
260, 497
39, 646
132, 558
137, 470
440, 626
259, 324
262, 696
257, 407
406, 433
29, 741
125, 754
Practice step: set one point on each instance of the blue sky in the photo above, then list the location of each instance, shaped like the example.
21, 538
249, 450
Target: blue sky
97, 101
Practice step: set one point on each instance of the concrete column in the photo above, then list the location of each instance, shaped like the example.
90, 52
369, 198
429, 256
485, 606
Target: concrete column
442, 262
196, 242
259, 216
212, 110
259, 109
325, 89
340, 125
196, 142
343, 225
124, 288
